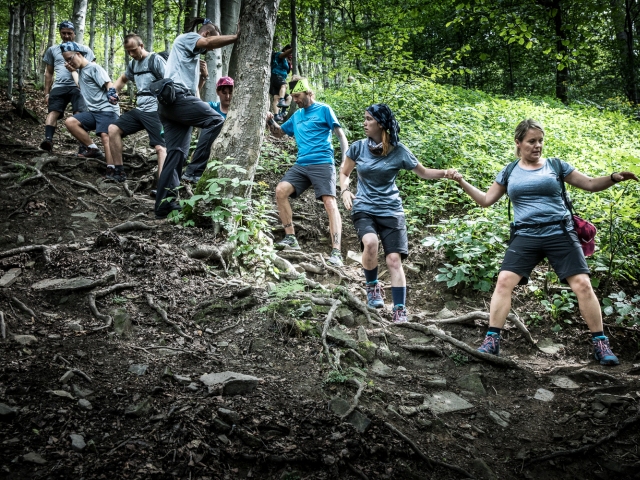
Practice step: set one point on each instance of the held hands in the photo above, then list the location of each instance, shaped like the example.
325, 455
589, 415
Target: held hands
269, 118
623, 176
453, 174
112, 96
347, 199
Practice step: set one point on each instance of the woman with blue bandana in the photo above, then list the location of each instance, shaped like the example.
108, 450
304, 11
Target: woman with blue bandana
376, 208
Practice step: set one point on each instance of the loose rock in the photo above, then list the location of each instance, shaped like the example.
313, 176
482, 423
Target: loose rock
230, 383
543, 395
7, 412
380, 369
33, 457
138, 369
443, 402
77, 442
472, 383
564, 382
85, 404
498, 419
25, 339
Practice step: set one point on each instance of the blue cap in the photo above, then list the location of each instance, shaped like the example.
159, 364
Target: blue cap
66, 24
70, 47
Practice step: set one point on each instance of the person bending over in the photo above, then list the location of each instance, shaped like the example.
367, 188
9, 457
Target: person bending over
376, 209
101, 99
311, 126
542, 227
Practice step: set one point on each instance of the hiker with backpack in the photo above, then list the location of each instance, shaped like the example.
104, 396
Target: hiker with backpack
543, 227
376, 208
143, 69
280, 68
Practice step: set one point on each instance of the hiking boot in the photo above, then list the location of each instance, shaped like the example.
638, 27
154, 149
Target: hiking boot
289, 242
119, 176
47, 144
375, 295
602, 351
400, 314
110, 173
92, 153
282, 103
153, 193
165, 211
82, 149
335, 259
190, 178
491, 344
278, 118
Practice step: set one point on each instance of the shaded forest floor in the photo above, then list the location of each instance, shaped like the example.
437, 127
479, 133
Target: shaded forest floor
131, 400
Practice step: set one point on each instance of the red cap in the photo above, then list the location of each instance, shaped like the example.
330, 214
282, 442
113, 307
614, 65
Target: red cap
224, 81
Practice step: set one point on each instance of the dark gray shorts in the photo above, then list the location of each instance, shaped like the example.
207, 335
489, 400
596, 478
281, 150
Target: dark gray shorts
60, 97
135, 120
98, 121
563, 252
322, 177
391, 230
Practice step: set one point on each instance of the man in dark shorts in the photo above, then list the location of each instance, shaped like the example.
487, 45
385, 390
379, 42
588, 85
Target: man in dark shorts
101, 99
144, 69
280, 68
64, 90
311, 126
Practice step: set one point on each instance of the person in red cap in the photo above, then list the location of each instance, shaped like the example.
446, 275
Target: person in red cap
542, 227
224, 89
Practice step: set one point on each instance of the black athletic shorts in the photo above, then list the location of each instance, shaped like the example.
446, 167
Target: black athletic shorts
563, 252
391, 230
60, 97
276, 82
98, 121
135, 120
321, 176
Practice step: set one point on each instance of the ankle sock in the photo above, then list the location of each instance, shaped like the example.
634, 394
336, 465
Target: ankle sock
399, 295
597, 334
49, 131
111, 166
495, 330
371, 276
93, 145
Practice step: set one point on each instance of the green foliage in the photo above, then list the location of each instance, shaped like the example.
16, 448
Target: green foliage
287, 288
626, 310
459, 359
119, 300
561, 305
335, 377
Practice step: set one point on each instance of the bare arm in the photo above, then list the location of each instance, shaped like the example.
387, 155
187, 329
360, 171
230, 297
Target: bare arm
432, 173
204, 74
344, 144
484, 199
274, 128
216, 41
120, 82
48, 79
345, 171
286, 53
597, 184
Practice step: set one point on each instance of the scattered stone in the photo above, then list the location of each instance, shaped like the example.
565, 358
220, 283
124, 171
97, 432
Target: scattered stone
359, 421
138, 410
20, 239
564, 382
7, 412
10, 277
33, 457
122, 322
89, 216
167, 373
361, 334
353, 258
345, 316
416, 397
547, 345
77, 442
228, 415
444, 314
219, 425
339, 336
613, 400
422, 340
85, 404
182, 379
64, 284
401, 369
339, 406
472, 383
601, 415
329, 460
75, 327
138, 368
367, 349
444, 402
635, 370
230, 383
80, 392
451, 305
25, 339
499, 419
167, 352
193, 386
66, 377
482, 470
62, 393
597, 406
543, 395
435, 381
408, 411
224, 439
386, 355
380, 369
358, 372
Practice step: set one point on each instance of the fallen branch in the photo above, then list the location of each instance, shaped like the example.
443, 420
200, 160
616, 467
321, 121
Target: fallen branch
356, 398
3, 327
130, 226
80, 373
163, 314
423, 349
228, 327
23, 307
92, 296
79, 184
325, 329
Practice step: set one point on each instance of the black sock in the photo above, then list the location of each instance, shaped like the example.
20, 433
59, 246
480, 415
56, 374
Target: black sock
597, 334
371, 276
494, 330
49, 131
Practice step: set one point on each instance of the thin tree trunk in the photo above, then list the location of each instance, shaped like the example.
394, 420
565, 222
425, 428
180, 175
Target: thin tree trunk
21, 54
213, 57
92, 24
10, 50
167, 25
294, 37
190, 12
106, 41
150, 27
323, 41
230, 11
79, 17
622, 21
178, 18
112, 51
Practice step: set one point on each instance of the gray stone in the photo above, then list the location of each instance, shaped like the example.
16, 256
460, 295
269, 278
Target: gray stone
416, 397
367, 350
77, 442
122, 322
25, 339
588, 375
224, 439
564, 382
451, 305
62, 393
498, 419
435, 381
89, 216
358, 372
66, 377
182, 379
380, 369
548, 346
361, 335
401, 369
85, 404
230, 383
7, 412
230, 416
386, 355
10, 277
193, 386
482, 470
444, 314
80, 392
33, 457
75, 327
339, 336
63, 284
339, 406
543, 395
218, 425
138, 368
612, 400
360, 422
138, 410
444, 402
472, 383
353, 258
422, 340
345, 316
167, 352
407, 410
600, 415
20, 239
597, 406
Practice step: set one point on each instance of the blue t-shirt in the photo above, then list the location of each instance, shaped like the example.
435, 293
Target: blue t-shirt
216, 107
377, 191
279, 66
536, 196
312, 127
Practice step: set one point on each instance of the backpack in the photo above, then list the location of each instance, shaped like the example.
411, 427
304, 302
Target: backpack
151, 70
585, 230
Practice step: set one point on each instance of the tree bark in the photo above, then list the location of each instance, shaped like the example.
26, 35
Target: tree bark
622, 20
167, 25
190, 12
213, 57
294, 38
79, 17
150, 27
92, 24
230, 11
106, 41
10, 50
112, 51
21, 54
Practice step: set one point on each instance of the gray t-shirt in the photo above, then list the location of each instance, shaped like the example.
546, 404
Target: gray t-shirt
151, 63
377, 191
536, 196
183, 66
92, 86
53, 56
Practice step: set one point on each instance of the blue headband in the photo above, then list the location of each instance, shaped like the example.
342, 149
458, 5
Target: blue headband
66, 24
206, 21
70, 47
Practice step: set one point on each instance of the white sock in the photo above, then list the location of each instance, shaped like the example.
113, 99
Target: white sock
93, 145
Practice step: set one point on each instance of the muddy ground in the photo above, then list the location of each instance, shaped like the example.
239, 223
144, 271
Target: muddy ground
129, 401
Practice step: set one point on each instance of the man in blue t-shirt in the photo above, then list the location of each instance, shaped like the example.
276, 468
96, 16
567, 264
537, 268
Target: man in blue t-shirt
311, 126
280, 68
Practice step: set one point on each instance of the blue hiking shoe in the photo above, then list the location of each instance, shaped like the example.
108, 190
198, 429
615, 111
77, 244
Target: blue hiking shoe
602, 351
375, 295
491, 344
400, 314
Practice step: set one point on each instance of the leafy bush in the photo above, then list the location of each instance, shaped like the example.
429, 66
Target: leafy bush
625, 309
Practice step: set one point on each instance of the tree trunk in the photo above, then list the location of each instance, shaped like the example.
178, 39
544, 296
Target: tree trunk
212, 57
190, 12
150, 28
79, 17
622, 21
112, 51
21, 54
12, 14
321, 26
243, 131
294, 38
167, 25
230, 11
92, 24
106, 41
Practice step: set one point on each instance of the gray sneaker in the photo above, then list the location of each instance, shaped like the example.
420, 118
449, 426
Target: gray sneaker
335, 259
289, 242
190, 178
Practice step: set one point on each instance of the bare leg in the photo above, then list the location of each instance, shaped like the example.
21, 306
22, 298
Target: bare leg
107, 149
370, 253
335, 221
274, 104
115, 143
501, 298
394, 264
162, 154
75, 128
587, 301
283, 191
52, 119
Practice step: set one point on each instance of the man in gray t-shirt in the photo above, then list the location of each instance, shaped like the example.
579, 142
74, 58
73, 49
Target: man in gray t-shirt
64, 90
144, 69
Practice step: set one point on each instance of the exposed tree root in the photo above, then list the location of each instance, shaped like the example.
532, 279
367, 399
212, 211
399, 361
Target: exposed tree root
130, 226
91, 298
163, 314
228, 327
361, 307
93, 188
81, 374
44, 249
204, 252
357, 472
284, 265
357, 355
522, 327
3, 327
325, 328
354, 404
423, 349
26, 200
23, 307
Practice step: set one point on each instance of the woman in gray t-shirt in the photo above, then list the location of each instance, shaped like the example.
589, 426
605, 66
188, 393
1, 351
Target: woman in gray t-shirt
542, 228
377, 206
